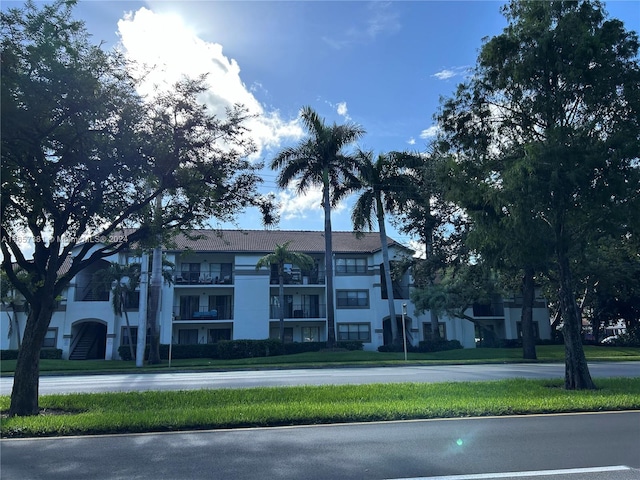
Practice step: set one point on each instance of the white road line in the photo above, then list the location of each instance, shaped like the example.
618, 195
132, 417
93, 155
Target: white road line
535, 473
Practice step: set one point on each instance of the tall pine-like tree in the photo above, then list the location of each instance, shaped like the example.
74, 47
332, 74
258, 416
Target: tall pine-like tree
548, 129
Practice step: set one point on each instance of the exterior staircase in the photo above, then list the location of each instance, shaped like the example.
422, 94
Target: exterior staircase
83, 344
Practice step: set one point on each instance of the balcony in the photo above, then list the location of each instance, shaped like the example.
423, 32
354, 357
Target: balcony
293, 310
201, 278
299, 277
202, 314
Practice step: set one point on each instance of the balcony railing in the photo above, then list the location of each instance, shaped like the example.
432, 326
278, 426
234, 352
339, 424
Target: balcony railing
298, 311
315, 277
198, 278
201, 314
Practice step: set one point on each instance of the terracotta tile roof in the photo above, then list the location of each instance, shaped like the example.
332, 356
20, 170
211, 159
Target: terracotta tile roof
264, 241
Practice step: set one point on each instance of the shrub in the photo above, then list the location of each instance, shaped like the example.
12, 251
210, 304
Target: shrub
350, 345
631, 339
231, 349
427, 346
51, 353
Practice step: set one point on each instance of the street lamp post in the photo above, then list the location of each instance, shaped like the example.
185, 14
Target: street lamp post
404, 330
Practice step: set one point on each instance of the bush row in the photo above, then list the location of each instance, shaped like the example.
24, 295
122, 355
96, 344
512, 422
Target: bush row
516, 343
45, 353
424, 346
232, 349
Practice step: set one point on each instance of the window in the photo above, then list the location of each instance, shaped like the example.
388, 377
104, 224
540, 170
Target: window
126, 340
351, 265
354, 331
427, 332
50, 338
188, 336
189, 304
536, 331
493, 309
310, 334
274, 332
190, 272
132, 300
134, 336
274, 308
217, 334
352, 298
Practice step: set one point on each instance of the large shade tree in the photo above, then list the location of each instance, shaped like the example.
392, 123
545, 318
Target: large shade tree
82, 164
320, 160
555, 100
380, 186
281, 257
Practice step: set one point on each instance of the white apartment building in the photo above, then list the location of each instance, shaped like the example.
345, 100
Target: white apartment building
218, 294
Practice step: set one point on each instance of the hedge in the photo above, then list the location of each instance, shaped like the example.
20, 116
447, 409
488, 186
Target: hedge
209, 350
45, 353
232, 349
424, 346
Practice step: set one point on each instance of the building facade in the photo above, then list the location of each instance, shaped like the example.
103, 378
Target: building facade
217, 293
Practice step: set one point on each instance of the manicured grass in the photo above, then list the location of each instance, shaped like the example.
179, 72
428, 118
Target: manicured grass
546, 353
81, 414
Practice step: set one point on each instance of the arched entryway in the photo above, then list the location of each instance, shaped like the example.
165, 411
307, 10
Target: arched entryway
88, 340
387, 337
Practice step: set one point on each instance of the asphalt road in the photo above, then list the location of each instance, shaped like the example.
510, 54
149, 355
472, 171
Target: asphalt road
566, 447
336, 376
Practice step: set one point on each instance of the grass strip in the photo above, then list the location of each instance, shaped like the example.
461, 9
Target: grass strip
545, 353
88, 414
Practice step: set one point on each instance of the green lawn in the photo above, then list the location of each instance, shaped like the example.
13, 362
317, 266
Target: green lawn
546, 353
82, 414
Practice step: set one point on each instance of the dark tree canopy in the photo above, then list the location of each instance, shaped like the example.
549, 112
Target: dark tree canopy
84, 157
548, 131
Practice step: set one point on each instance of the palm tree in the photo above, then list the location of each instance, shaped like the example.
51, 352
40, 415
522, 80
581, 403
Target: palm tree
122, 280
319, 160
379, 182
280, 257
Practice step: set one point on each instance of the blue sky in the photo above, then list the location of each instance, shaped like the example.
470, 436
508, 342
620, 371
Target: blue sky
383, 65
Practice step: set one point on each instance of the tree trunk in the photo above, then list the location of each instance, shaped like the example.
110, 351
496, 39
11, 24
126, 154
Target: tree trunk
126, 319
328, 262
24, 395
526, 320
428, 250
153, 316
395, 338
143, 309
577, 376
281, 300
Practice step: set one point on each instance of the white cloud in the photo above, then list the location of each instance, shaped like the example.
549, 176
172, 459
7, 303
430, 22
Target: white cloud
430, 132
343, 111
308, 205
448, 73
380, 18
165, 44
411, 141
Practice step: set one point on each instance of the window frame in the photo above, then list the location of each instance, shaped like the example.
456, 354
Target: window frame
54, 338
536, 330
345, 302
359, 267
349, 333
426, 327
